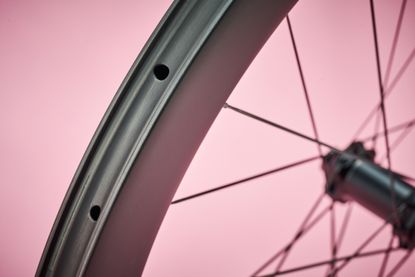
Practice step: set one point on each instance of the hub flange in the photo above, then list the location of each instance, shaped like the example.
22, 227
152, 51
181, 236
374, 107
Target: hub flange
353, 176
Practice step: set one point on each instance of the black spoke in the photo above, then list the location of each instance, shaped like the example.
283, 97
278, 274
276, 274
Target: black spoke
383, 110
406, 131
389, 67
283, 259
380, 84
400, 73
406, 177
307, 97
392, 130
278, 126
359, 250
286, 250
388, 91
394, 43
386, 258
323, 263
333, 237
344, 226
377, 127
301, 231
340, 237
365, 122
400, 264
250, 178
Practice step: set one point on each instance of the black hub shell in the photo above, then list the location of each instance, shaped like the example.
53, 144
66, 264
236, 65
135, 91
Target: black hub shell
353, 176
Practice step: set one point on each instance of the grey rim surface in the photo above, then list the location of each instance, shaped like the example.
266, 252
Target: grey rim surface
150, 133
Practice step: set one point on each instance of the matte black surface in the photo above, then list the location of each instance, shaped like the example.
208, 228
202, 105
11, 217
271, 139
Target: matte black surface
151, 132
357, 178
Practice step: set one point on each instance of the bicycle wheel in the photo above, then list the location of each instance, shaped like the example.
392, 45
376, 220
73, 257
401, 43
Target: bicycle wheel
150, 133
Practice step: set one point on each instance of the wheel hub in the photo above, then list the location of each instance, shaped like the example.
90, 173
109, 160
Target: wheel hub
352, 175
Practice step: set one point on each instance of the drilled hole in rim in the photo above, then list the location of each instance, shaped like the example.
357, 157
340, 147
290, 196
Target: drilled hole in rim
161, 71
94, 212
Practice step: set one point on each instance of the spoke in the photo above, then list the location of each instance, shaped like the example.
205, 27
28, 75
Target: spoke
344, 226
301, 231
283, 259
401, 207
392, 130
406, 131
333, 237
388, 91
394, 43
365, 122
307, 97
406, 177
400, 264
250, 178
360, 249
383, 110
386, 84
286, 250
318, 264
386, 258
340, 238
400, 73
377, 127
278, 126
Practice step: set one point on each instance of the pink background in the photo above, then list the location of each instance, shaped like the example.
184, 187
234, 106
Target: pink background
61, 63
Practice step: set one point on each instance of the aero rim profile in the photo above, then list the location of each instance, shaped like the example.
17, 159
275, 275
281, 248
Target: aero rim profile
153, 127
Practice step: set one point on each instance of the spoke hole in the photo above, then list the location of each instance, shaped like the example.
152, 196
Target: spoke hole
161, 71
94, 212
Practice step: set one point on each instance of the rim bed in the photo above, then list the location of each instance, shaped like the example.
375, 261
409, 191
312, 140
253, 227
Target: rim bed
147, 119
119, 151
